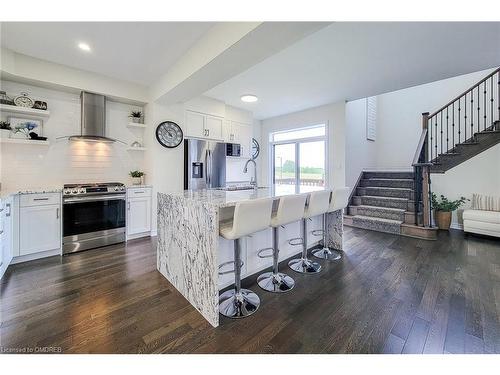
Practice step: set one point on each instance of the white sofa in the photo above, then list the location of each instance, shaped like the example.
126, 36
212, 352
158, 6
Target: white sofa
482, 222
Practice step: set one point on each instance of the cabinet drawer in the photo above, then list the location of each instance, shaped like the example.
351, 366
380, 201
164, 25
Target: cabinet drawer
27, 200
139, 192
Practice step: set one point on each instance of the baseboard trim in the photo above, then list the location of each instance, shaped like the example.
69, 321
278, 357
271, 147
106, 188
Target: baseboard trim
457, 226
27, 258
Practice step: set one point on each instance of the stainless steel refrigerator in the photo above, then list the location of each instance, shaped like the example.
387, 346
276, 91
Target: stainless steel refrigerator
204, 164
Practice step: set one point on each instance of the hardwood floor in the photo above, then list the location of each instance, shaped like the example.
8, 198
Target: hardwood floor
388, 294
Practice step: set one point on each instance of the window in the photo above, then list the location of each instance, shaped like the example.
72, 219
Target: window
299, 160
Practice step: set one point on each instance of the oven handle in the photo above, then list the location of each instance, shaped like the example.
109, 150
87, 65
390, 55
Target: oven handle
93, 199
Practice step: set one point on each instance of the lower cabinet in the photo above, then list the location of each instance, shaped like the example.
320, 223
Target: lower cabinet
39, 228
138, 212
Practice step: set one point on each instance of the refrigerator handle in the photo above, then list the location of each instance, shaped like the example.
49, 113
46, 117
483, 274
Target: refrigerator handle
209, 168
206, 167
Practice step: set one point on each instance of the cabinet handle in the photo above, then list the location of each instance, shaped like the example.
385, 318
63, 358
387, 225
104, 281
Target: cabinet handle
128, 206
40, 199
8, 212
139, 192
57, 212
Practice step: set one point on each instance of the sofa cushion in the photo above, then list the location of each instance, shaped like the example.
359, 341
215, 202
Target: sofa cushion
483, 216
485, 202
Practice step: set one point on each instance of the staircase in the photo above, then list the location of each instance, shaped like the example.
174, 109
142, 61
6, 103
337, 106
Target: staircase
479, 142
399, 202
384, 201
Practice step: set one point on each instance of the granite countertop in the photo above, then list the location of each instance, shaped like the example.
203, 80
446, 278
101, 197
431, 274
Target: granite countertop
222, 198
6, 193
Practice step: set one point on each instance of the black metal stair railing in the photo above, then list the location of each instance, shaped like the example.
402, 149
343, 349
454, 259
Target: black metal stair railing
474, 111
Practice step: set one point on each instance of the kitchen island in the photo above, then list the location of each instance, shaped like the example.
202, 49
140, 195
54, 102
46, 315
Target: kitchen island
190, 250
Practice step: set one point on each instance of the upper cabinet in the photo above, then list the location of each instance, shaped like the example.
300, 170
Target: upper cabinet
237, 132
199, 125
211, 119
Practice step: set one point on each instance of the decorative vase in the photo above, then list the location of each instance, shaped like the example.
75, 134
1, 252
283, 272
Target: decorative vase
136, 180
443, 219
136, 120
4, 133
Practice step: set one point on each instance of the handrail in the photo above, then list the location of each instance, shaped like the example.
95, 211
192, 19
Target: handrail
465, 92
420, 146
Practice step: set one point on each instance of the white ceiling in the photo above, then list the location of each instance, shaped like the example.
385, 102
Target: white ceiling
133, 51
356, 60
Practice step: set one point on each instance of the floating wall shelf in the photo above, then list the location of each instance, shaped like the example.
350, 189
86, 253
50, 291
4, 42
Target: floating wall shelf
12, 109
136, 125
24, 141
136, 149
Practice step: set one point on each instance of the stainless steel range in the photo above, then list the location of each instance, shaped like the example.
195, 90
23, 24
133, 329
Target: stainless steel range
93, 215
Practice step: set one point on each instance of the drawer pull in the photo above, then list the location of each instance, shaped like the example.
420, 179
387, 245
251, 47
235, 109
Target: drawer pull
139, 192
40, 199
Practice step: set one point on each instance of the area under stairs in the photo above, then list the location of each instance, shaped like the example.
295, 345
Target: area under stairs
383, 201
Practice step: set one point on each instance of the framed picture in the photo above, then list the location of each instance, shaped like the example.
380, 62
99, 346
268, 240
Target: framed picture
371, 118
24, 126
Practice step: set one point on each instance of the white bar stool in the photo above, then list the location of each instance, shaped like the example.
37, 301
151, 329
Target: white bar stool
290, 209
249, 217
317, 204
339, 201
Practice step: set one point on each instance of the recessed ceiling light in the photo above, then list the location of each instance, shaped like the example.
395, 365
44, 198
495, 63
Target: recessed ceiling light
84, 47
249, 98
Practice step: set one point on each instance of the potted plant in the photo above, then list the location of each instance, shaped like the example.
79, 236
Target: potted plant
443, 209
137, 177
136, 117
5, 129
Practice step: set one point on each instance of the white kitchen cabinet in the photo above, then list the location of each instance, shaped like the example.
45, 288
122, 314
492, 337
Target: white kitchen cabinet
195, 124
39, 228
238, 132
199, 125
213, 127
138, 212
242, 134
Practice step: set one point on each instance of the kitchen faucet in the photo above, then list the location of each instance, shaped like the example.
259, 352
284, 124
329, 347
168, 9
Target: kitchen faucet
253, 181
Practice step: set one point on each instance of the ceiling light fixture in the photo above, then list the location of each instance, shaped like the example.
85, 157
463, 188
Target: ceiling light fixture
249, 98
84, 47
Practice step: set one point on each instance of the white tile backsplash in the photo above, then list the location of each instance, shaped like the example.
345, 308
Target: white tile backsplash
66, 161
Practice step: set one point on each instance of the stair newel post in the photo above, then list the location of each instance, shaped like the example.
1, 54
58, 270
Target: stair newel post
425, 187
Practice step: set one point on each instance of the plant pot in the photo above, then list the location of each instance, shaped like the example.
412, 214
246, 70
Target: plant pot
4, 133
136, 180
443, 219
136, 120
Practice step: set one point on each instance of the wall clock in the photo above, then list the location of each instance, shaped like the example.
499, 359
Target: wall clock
169, 134
255, 148
24, 100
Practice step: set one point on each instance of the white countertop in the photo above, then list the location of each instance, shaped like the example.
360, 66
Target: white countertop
222, 198
6, 193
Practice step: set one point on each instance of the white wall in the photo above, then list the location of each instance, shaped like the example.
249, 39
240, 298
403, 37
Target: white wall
481, 174
30, 167
399, 124
360, 152
333, 115
399, 116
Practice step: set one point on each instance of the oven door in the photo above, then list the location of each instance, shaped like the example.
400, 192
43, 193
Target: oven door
90, 222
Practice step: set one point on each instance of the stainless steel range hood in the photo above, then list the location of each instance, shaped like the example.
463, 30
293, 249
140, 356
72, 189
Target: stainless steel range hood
93, 121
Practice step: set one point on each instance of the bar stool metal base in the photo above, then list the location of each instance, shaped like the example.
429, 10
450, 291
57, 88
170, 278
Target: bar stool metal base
279, 283
303, 265
328, 254
233, 305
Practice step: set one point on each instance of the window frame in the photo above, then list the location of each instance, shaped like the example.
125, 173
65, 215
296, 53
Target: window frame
297, 143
